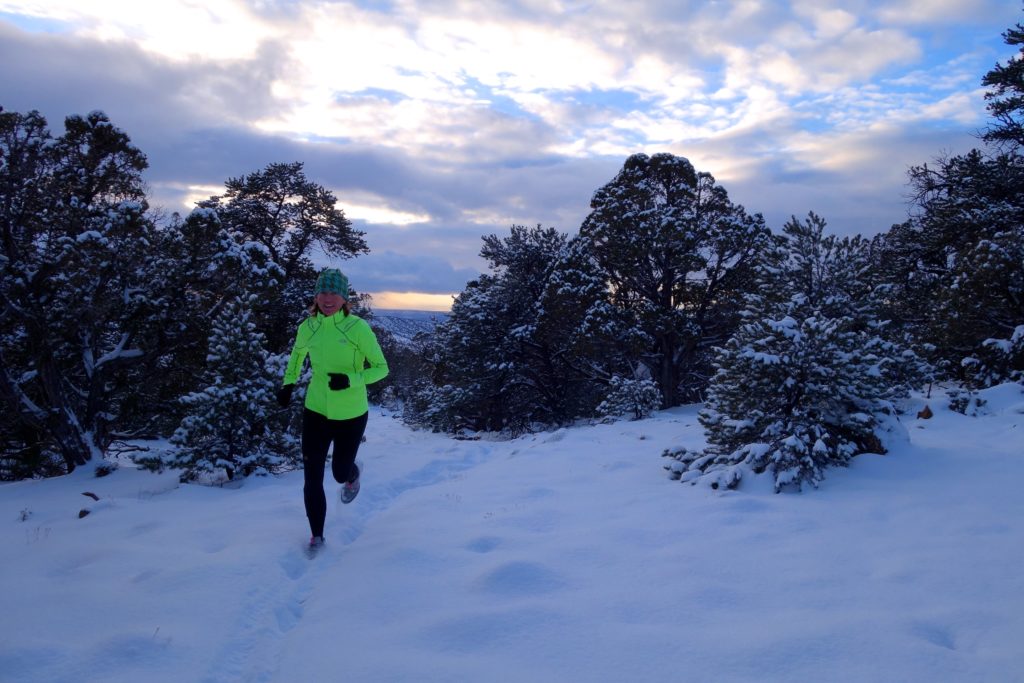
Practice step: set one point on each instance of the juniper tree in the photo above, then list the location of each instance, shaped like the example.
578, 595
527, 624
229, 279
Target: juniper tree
530, 342
199, 264
679, 255
78, 288
955, 267
806, 381
290, 215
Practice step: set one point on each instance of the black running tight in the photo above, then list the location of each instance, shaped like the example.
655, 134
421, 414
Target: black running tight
317, 435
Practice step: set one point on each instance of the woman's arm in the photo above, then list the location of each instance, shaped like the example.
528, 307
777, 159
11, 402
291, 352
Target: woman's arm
368, 345
300, 349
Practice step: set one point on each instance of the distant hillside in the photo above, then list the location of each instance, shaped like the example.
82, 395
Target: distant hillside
405, 325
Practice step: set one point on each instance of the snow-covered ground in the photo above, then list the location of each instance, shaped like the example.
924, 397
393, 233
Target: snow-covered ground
562, 556
405, 325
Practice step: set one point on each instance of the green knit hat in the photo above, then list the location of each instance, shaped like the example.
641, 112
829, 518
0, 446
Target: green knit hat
333, 281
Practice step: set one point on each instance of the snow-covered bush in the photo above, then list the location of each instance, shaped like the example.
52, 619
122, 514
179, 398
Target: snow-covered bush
627, 396
233, 427
966, 402
998, 361
438, 408
793, 397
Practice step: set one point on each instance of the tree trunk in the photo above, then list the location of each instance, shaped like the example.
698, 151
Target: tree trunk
62, 425
668, 372
57, 424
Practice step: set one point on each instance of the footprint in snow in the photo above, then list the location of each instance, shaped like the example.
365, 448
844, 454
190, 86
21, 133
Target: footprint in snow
520, 579
484, 544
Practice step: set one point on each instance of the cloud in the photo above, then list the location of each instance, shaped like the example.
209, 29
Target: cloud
937, 11
389, 271
60, 74
437, 122
176, 30
857, 180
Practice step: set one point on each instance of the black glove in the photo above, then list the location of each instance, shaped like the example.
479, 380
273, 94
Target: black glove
339, 381
284, 395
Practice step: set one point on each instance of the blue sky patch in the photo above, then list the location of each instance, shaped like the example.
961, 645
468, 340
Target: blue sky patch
496, 102
392, 96
617, 100
36, 24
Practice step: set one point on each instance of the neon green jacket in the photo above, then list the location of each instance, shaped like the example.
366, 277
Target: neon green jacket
337, 344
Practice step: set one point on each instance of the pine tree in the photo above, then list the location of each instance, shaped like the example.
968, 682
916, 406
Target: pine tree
997, 361
637, 398
986, 297
809, 380
1006, 95
492, 369
453, 397
233, 428
595, 338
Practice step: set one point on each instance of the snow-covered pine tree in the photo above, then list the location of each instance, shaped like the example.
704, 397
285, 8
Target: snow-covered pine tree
595, 341
956, 267
488, 357
467, 388
198, 264
809, 380
1005, 95
233, 428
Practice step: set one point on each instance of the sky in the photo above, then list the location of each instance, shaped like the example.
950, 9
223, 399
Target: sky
565, 555
438, 122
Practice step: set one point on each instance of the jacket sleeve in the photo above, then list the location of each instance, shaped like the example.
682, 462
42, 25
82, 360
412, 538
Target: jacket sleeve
369, 347
300, 349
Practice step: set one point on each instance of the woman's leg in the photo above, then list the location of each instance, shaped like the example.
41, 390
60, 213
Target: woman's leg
348, 434
316, 439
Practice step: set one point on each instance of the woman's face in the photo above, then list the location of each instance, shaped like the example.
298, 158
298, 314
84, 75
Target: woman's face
329, 302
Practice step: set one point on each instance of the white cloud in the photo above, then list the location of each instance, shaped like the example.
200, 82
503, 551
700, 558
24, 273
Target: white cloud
193, 194
172, 28
832, 23
472, 115
932, 11
381, 214
961, 107
415, 301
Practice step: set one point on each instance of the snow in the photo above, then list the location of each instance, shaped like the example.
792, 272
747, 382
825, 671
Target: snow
405, 324
561, 556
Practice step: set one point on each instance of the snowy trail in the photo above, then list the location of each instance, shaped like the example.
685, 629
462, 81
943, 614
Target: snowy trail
275, 603
564, 555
